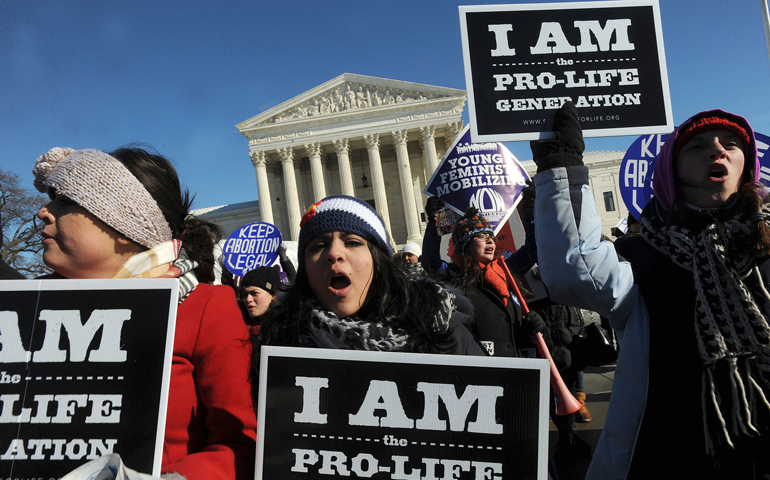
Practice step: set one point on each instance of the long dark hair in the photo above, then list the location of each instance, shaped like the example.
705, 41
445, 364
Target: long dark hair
470, 277
159, 177
393, 298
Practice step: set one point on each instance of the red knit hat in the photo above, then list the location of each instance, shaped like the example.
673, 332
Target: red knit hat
709, 123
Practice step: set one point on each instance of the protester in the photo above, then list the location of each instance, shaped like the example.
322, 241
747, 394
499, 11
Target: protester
410, 260
690, 309
256, 293
564, 335
348, 293
519, 262
124, 215
411, 253
431, 241
501, 325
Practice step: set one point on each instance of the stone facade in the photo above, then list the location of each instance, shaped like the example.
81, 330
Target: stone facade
373, 138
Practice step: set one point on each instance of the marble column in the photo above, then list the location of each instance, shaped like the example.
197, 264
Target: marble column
429, 143
453, 130
342, 146
316, 171
259, 160
378, 180
290, 189
407, 189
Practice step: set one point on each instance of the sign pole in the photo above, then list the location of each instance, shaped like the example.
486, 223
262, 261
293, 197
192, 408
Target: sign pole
766, 20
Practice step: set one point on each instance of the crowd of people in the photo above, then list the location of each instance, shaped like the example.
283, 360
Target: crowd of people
687, 296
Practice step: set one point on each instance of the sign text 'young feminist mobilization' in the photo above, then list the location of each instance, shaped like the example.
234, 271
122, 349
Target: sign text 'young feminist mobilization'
522, 62
334, 413
486, 176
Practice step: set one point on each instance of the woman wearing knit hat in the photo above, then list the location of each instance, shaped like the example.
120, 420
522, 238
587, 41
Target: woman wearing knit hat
256, 293
124, 215
501, 325
688, 299
349, 294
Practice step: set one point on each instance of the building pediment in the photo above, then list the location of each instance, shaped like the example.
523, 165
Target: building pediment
352, 98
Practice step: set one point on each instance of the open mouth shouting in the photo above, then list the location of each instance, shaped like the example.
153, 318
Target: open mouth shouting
340, 284
339, 269
710, 168
717, 172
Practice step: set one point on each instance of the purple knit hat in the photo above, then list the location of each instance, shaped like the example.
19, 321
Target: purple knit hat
663, 181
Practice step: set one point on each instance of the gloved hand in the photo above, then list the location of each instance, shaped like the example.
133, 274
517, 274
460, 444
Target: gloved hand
282, 252
528, 196
566, 149
433, 205
533, 323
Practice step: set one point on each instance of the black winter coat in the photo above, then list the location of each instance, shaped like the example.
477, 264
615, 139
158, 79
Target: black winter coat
497, 326
564, 325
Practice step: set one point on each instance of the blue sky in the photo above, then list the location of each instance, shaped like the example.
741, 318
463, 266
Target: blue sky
179, 75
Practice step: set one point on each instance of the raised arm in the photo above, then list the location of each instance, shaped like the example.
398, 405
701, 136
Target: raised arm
576, 266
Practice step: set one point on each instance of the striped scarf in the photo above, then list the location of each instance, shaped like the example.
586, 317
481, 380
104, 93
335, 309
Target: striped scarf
165, 260
372, 333
730, 328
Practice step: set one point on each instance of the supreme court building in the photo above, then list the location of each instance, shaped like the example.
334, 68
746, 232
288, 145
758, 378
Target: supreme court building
373, 138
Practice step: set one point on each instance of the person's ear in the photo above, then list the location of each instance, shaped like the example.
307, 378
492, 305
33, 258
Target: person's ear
126, 245
123, 240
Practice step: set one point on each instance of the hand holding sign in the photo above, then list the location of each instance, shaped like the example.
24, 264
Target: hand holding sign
566, 149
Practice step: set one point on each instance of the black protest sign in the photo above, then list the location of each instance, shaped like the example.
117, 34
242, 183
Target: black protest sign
84, 371
522, 62
339, 413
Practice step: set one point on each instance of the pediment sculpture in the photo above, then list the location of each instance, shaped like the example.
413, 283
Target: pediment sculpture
349, 96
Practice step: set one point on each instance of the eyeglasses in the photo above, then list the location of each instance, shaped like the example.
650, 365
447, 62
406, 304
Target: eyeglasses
485, 238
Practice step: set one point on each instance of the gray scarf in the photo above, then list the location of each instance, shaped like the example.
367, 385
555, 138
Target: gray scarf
372, 332
729, 326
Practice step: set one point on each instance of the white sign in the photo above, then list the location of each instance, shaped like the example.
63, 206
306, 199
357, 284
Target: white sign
522, 62
341, 413
83, 363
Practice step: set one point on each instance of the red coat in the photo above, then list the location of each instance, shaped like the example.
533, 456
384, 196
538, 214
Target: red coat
211, 424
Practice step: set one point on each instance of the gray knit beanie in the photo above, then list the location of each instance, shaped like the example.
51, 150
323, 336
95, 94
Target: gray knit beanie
102, 185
